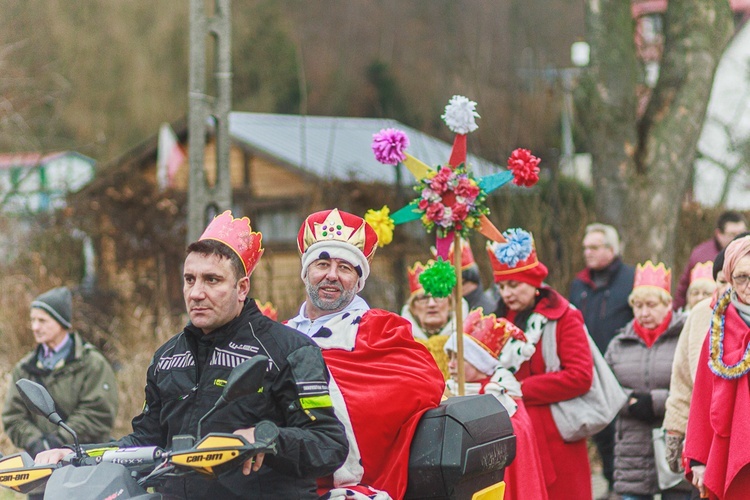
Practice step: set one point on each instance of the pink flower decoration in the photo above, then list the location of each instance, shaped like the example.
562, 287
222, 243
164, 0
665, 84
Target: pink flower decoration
460, 212
435, 212
466, 190
439, 184
524, 166
389, 145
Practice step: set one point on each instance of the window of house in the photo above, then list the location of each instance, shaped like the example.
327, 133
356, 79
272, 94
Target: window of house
278, 225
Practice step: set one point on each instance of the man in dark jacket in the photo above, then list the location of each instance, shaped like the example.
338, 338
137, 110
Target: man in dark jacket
601, 293
187, 374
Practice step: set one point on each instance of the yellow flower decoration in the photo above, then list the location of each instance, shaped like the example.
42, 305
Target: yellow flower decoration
382, 223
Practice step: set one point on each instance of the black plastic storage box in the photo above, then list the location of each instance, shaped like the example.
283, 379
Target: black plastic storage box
460, 447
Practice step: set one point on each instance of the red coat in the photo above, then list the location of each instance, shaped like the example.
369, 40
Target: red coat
566, 465
717, 428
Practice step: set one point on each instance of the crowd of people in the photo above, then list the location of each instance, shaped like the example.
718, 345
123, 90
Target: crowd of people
346, 385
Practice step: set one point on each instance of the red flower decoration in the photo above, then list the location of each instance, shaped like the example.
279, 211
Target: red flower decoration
460, 212
435, 211
466, 190
525, 167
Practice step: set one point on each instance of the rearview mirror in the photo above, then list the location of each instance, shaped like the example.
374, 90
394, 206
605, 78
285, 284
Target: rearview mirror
38, 400
245, 379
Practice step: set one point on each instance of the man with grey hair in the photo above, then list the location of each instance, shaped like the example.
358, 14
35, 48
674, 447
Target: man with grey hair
601, 292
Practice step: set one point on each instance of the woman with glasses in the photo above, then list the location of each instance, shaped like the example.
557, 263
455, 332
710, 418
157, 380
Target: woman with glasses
717, 454
539, 310
431, 318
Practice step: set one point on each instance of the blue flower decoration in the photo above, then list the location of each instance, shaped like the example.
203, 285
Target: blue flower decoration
517, 248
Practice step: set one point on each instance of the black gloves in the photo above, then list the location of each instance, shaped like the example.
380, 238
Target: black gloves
46, 442
642, 408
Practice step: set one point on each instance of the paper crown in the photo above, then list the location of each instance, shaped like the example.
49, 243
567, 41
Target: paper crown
467, 256
268, 310
332, 234
490, 332
651, 275
237, 235
334, 225
413, 273
702, 271
516, 259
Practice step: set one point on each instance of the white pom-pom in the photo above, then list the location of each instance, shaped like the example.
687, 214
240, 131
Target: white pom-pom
528, 350
459, 115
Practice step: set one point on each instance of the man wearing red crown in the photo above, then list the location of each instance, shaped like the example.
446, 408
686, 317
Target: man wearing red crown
382, 380
187, 374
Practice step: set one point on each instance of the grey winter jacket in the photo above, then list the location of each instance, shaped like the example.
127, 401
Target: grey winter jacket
641, 369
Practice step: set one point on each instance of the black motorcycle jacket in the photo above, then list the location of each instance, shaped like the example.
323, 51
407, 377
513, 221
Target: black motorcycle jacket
186, 377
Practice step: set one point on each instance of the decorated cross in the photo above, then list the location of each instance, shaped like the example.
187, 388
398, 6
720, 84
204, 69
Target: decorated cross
451, 201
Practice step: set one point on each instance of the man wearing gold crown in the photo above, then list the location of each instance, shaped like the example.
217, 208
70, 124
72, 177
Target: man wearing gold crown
187, 374
382, 380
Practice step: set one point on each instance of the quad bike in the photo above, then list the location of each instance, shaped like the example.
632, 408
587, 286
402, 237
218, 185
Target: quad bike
460, 451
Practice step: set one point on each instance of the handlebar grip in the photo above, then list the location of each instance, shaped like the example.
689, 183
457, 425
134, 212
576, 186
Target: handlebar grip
136, 458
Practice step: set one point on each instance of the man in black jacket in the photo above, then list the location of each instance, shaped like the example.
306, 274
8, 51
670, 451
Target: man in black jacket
601, 293
187, 374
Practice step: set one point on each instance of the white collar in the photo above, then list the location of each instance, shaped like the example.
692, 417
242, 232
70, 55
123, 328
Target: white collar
309, 327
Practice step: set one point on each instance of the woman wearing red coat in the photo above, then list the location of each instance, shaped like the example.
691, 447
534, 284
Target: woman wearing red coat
538, 309
717, 456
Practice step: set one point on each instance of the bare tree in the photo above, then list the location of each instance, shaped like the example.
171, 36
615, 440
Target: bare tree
642, 160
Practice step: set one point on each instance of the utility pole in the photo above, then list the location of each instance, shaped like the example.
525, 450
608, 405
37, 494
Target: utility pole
206, 201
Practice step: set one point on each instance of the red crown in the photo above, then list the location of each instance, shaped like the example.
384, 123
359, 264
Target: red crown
237, 235
467, 256
268, 310
334, 225
413, 274
658, 276
490, 332
702, 271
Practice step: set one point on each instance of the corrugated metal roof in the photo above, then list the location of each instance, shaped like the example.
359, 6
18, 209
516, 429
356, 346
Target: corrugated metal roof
336, 147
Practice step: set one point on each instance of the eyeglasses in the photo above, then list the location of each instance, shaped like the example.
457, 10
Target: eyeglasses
424, 299
593, 248
741, 280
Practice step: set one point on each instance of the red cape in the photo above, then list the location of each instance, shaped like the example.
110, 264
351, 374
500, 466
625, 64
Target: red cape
717, 429
388, 381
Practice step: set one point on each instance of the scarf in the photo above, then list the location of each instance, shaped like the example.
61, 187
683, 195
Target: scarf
649, 335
